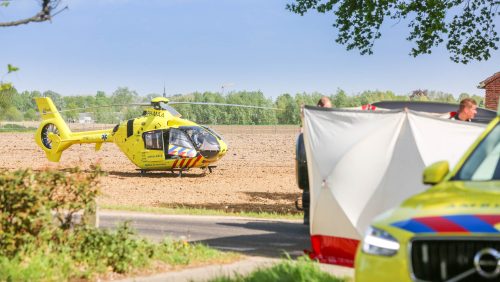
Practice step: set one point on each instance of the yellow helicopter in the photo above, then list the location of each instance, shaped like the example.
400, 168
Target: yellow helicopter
158, 140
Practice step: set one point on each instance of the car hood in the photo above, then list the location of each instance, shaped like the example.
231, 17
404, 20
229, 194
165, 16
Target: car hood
450, 207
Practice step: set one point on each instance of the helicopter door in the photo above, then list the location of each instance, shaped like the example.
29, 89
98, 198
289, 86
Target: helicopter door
179, 145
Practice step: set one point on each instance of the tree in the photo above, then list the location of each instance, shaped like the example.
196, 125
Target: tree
30, 114
440, 96
418, 94
13, 114
463, 96
46, 13
56, 98
468, 27
123, 95
340, 100
289, 110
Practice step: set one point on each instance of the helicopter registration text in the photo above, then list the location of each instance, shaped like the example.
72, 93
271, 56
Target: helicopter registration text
154, 113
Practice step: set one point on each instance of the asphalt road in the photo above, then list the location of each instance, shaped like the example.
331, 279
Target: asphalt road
268, 238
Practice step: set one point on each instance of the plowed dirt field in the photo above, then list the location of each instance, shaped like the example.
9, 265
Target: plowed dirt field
257, 173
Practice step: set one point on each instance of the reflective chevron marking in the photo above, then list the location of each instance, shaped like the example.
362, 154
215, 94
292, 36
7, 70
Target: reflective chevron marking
465, 223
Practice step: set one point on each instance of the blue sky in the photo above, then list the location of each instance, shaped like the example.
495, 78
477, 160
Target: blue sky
200, 45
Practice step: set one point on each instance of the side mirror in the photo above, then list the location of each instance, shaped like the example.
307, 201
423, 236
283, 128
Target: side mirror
436, 172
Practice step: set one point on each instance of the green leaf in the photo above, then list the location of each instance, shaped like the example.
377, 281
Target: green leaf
12, 68
5, 86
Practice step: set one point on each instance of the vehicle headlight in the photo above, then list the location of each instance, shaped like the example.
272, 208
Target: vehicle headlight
379, 242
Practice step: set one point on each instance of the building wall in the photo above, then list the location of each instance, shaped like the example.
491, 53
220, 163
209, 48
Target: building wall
492, 93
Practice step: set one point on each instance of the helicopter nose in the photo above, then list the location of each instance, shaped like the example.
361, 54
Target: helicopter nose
223, 149
214, 153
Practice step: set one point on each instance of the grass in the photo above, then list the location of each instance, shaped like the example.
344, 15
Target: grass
9, 128
91, 254
38, 266
181, 253
192, 211
288, 270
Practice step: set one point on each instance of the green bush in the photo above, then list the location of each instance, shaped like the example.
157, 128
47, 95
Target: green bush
28, 198
40, 241
86, 252
118, 249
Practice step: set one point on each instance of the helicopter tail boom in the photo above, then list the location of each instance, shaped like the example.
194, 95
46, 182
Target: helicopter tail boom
54, 136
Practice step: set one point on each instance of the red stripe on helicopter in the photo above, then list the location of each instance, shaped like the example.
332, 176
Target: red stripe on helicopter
182, 162
188, 162
197, 160
175, 163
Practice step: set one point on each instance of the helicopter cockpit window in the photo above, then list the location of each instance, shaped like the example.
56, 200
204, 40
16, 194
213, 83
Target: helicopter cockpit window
153, 140
166, 107
212, 131
179, 138
202, 138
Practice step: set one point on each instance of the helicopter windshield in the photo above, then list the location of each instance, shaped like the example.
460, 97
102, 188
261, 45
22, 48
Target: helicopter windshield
179, 138
212, 131
203, 139
164, 106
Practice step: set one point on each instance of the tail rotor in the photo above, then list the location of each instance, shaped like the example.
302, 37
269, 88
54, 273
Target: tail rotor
48, 129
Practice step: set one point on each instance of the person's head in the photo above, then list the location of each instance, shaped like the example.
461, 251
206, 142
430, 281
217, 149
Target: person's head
324, 102
467, 109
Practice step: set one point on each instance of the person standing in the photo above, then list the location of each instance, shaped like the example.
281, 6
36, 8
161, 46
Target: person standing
324, 102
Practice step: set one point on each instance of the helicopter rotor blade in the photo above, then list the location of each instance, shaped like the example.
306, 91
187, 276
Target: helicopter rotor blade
173, 103
107, 106
223, 104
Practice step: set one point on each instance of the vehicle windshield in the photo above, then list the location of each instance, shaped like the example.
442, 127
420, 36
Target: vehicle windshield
166, 107
202, 138
212, 131
484, 163
179, 138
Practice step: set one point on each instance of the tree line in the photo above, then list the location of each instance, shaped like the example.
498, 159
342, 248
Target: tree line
113, 108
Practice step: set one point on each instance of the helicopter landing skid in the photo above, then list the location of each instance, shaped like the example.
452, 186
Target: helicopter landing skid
210, 169
178, 171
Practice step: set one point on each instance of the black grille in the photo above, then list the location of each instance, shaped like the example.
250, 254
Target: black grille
443, 259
